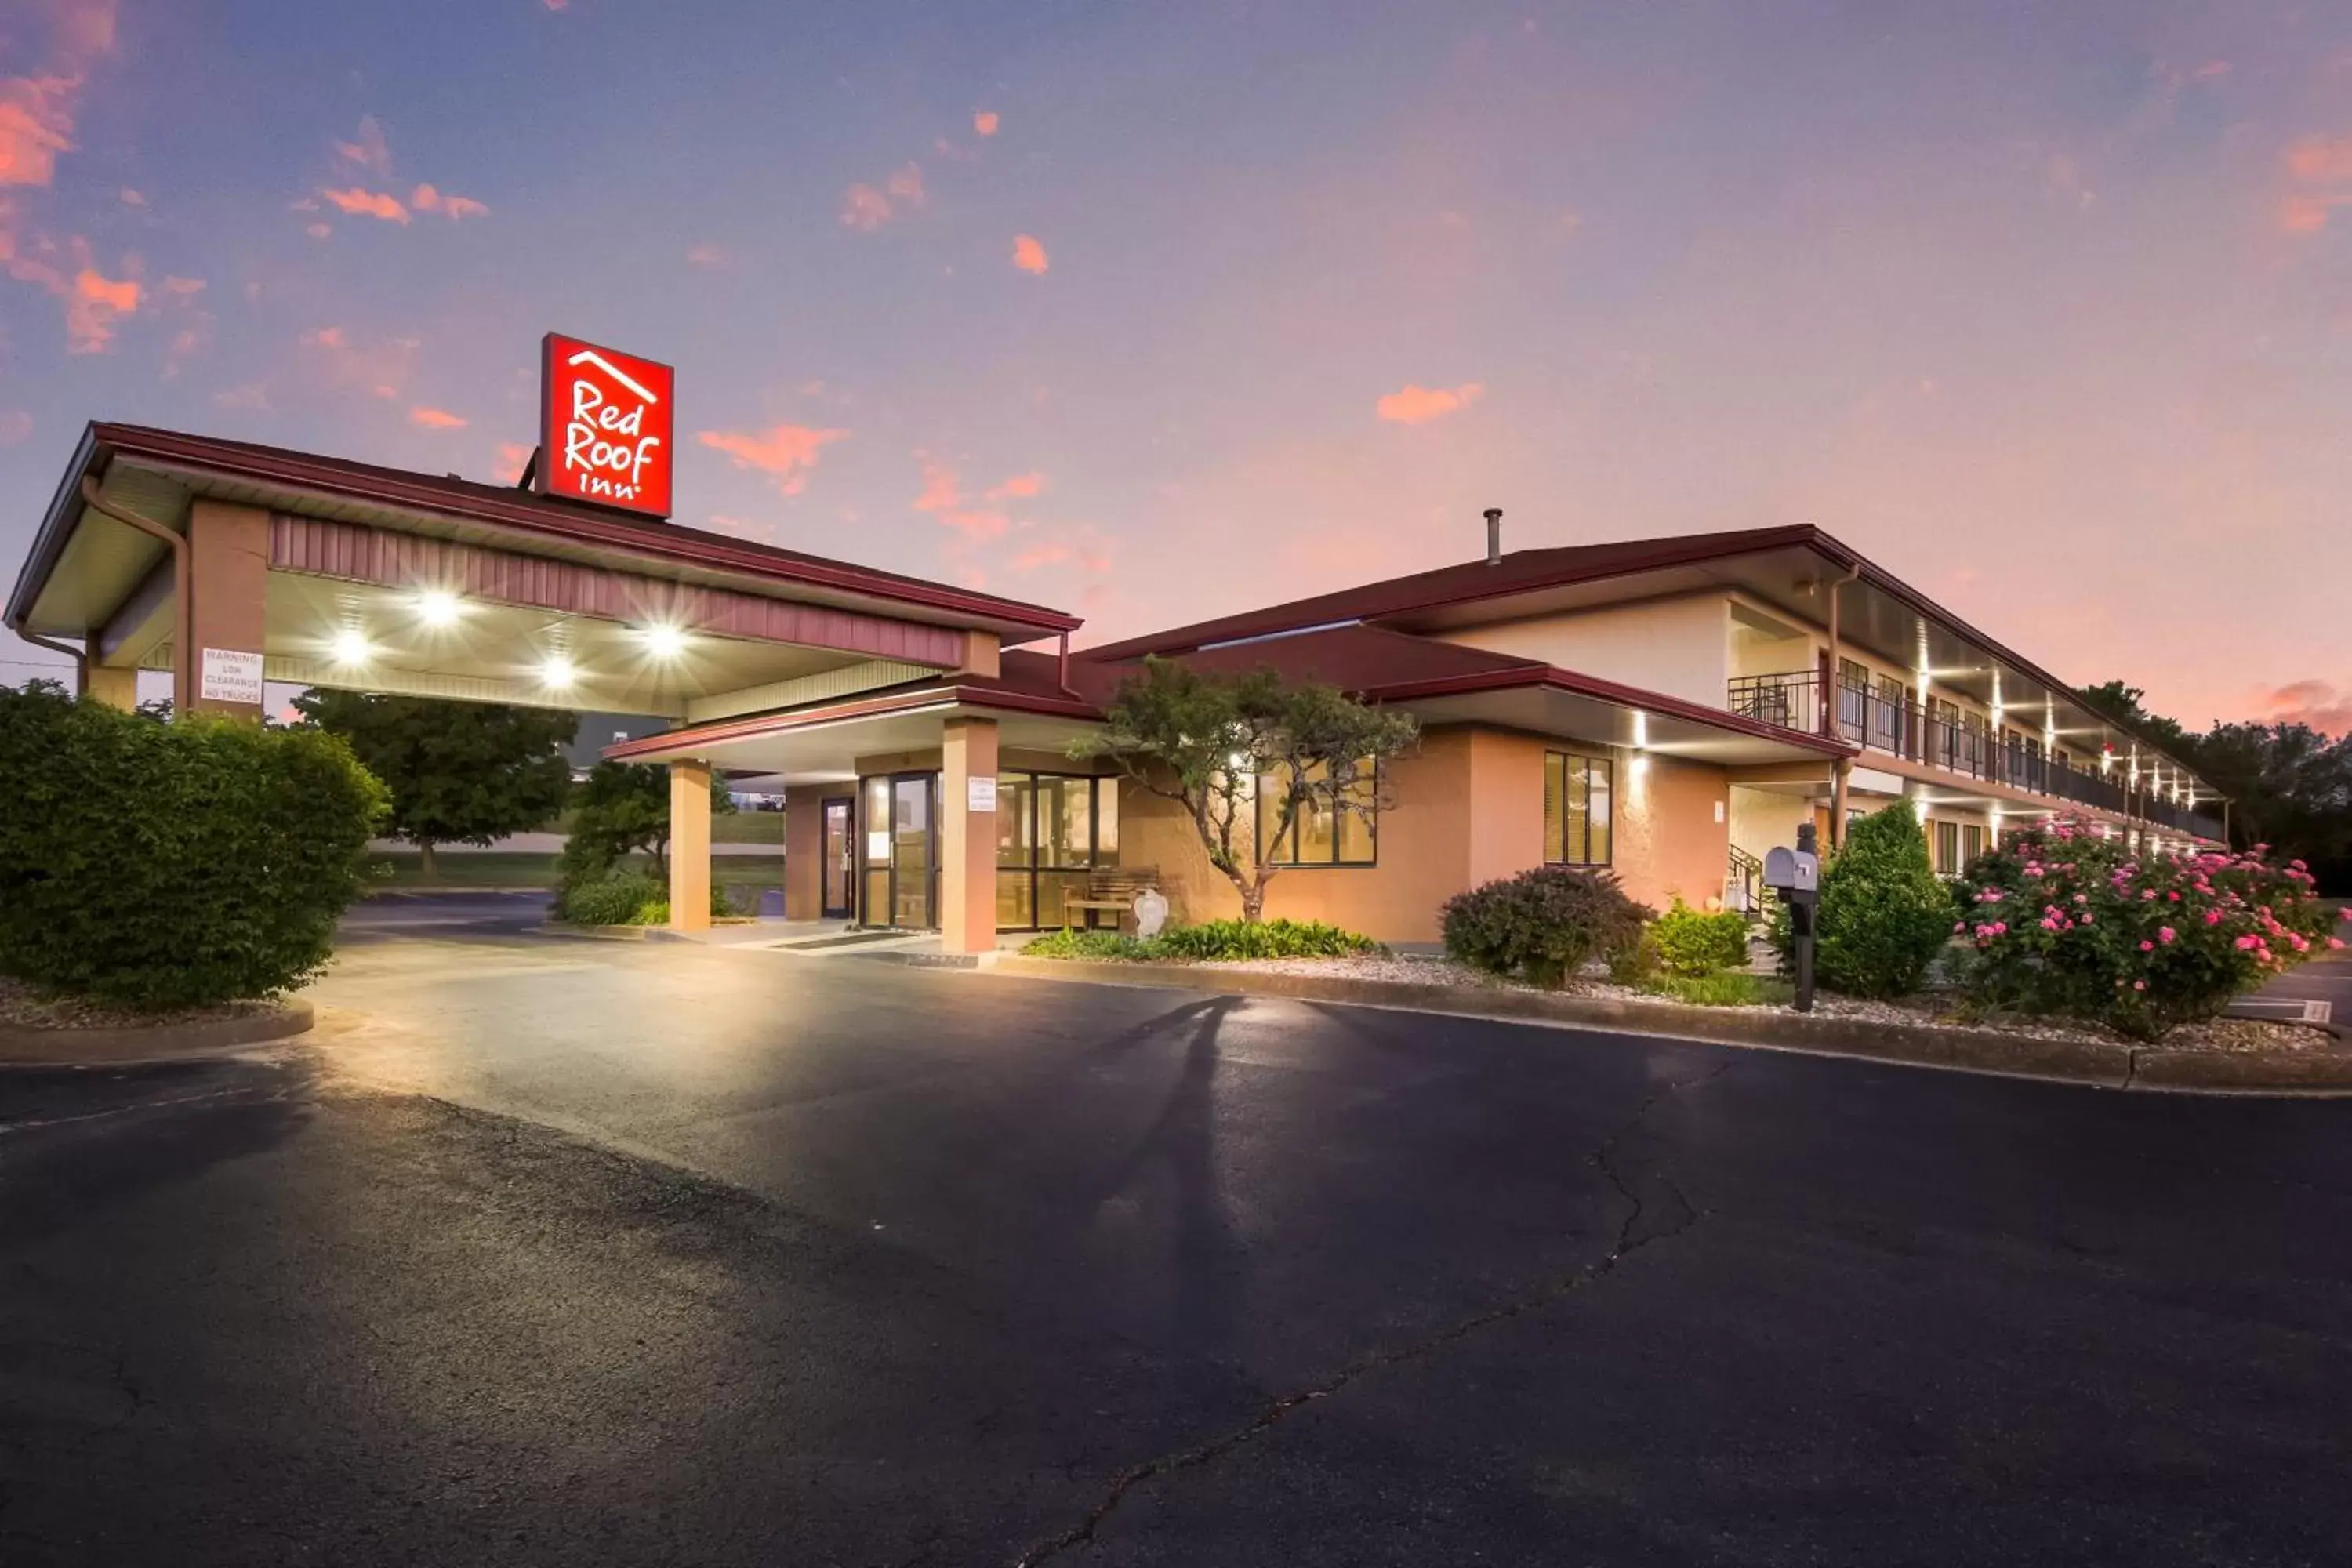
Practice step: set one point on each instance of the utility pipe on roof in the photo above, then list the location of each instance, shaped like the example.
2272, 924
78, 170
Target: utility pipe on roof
184, 657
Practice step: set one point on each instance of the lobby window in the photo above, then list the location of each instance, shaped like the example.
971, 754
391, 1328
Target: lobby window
1319, 834
1051, 831
1947, 848
1576, 809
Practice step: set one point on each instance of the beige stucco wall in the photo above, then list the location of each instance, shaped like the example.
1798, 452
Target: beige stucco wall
1680, 646
1767, 819
804, 848
1468, 809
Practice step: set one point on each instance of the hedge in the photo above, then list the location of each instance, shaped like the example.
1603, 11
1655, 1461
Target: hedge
161, 866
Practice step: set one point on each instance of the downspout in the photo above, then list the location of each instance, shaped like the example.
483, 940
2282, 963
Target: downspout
1063, 676
183, 657
80, 656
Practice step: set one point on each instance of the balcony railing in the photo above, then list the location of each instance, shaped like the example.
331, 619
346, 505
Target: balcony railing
1901, 728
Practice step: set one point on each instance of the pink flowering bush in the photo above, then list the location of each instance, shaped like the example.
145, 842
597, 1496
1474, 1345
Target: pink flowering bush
2061, 920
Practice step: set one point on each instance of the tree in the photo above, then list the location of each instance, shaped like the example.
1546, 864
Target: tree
1231, 749
459, 773
623, 809
2115, 700
2289, 786
1882, 915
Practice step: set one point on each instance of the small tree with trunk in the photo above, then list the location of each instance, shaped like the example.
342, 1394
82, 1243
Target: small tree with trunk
623, 809
459, 773
1232, 749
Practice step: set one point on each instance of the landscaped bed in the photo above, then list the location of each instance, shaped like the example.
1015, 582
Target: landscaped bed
1931, 1010
24, 1008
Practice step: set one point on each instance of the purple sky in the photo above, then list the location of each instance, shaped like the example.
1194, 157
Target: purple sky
1157, 310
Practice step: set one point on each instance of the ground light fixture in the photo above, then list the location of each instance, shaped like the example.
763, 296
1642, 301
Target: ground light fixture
437, 607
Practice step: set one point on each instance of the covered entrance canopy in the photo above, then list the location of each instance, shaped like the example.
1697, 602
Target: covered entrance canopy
228, 563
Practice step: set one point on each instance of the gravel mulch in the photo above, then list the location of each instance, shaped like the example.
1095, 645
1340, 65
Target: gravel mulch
23, 1008
2218, 1035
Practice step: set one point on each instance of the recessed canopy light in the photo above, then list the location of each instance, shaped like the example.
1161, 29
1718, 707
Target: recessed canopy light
351, 646
664, 641
436, 607
555, 670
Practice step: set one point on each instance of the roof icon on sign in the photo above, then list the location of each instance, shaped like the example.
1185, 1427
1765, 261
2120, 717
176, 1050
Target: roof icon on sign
590, 356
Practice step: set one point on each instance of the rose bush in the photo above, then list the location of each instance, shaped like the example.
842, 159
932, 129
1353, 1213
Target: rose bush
2058, 920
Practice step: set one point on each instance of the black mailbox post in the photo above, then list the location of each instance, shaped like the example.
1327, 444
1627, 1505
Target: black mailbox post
1796, 876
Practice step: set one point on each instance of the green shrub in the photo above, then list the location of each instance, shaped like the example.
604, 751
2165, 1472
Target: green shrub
1099, 944
1691, 942
1541, 925
1725, 988
655, 911
611, 897
1883, 916
2064, 921
1235, 940
175, 865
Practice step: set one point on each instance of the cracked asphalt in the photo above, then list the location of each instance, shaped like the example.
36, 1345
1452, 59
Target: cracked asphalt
545, 1252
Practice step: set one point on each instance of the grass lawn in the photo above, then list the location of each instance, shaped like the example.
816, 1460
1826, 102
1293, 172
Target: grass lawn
497, 868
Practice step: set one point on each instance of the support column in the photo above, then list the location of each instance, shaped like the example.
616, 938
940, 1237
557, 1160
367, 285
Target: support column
967, 837
117, 688
689, 846
228, 573
1841, 772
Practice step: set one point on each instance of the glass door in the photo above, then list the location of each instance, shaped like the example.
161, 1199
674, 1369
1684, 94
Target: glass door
839, 858
911, 857
873, 853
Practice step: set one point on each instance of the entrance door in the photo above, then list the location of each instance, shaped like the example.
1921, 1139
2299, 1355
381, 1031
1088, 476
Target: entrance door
910, 843
839, 857
897, 851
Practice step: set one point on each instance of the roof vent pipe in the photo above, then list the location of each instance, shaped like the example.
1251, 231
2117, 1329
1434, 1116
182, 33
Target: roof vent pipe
1494, 536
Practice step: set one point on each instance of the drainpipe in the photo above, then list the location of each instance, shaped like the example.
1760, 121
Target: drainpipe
183, 657
80, 656
1829, 690
1063, 676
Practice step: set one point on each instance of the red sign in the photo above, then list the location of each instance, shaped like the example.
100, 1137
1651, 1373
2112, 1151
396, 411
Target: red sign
605, 426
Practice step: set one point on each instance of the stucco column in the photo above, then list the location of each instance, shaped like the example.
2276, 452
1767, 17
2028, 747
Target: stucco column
228, 576
1841, 772
115, 687
689, 846
968, 838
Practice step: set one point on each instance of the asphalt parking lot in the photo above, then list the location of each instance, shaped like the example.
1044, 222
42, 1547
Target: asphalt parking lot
559, 1252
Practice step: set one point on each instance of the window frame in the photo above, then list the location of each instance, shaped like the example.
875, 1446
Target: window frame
1370, 818
1035, 869
1607, 761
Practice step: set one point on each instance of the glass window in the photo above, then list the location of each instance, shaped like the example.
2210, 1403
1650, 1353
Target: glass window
1576, 809
1106, 822
1320, 834
1050, 828
1947, 848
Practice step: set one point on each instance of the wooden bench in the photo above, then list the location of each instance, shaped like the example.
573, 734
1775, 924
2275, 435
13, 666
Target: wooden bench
1113, 888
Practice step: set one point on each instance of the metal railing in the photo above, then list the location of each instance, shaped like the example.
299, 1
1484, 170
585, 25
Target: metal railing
1902, 728
1743, 883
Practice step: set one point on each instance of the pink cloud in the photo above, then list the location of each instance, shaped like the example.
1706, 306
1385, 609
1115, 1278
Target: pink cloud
706, 255
985, 122
864, 207
320, 230
1020, 486
786, 451
94, 305
1029, 255
512, 456
37, 112
357, 202
2324, 706
323, 338
1419, 404
427, 199
942, 497
14, 426
906, 185
2321, 160
434, 418
368, 149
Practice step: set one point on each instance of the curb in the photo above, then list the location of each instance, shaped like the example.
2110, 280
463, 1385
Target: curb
608, 933
2099, 1063
22, 1047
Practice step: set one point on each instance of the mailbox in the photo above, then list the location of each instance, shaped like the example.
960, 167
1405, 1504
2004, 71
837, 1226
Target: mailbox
1793, 870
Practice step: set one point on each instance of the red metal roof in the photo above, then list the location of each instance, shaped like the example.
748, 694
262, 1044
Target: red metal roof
509, 508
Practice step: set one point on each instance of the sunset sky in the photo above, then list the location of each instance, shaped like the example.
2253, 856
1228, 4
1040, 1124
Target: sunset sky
1152, 310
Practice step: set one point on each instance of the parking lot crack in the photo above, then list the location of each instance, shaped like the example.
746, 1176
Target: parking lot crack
1659, 1217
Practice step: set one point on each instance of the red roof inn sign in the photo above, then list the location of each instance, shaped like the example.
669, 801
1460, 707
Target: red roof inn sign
605, 426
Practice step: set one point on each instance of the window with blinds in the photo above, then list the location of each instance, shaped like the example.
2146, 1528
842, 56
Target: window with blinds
1577, 805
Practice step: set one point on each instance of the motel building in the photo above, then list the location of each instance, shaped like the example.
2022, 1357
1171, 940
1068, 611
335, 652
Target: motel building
1671, 708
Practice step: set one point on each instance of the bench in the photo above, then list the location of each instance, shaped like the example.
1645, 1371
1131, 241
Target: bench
1112, 888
